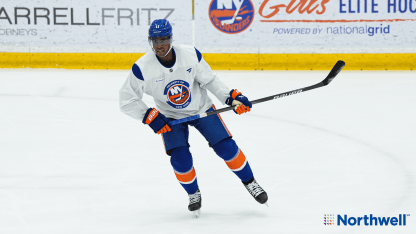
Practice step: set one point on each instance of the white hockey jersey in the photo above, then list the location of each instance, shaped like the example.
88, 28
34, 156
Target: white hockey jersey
179, 91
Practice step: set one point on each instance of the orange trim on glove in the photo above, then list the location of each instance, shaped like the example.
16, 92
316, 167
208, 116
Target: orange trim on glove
152, 115
241, 109
166, 128
235, 93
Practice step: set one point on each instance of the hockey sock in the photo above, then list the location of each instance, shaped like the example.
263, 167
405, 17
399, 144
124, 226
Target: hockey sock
228, 150
181, 160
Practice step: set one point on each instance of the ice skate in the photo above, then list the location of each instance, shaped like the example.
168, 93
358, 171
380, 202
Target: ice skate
195, 203
256, 191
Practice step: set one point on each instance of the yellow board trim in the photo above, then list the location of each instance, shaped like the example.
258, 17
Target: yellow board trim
310, 61
405, 61
69, 60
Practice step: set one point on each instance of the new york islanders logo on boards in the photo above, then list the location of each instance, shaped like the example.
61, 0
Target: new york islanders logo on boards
231, 16
178, 94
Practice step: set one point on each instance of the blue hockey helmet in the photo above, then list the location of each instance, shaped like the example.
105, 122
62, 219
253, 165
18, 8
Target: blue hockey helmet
160, 28
160, 33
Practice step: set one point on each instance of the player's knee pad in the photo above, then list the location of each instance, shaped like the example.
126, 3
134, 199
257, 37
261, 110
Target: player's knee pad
181, 159
226, 149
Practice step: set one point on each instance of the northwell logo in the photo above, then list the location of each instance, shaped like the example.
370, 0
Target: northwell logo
329, 219
366, 220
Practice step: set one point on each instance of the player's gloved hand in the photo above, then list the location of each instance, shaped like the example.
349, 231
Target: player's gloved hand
241, 102
156, 120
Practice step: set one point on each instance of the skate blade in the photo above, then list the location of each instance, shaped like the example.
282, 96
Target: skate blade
266, 204
197, 213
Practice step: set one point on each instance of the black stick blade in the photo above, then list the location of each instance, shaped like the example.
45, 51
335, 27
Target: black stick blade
334, 72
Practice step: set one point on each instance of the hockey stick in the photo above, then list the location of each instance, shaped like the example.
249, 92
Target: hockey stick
332, 74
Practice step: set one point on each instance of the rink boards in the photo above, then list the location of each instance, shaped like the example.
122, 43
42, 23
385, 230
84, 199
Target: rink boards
231, 34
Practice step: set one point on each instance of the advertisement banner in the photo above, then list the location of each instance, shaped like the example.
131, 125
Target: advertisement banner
305, 26
88, 26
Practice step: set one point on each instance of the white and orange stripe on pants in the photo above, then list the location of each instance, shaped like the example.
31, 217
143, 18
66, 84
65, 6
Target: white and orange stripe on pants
238, 162
187, 177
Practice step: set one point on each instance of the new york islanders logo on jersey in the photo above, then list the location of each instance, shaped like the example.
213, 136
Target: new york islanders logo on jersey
231, 16
178, 94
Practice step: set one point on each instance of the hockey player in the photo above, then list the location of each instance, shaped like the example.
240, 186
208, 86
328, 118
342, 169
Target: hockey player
178, 78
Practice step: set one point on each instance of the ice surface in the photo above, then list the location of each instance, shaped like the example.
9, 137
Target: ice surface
72, 163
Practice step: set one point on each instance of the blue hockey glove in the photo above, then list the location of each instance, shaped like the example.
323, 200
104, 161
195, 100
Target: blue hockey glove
157, 121
241, 102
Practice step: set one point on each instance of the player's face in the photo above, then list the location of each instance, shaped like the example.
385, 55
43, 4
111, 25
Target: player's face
161, 50
161, 45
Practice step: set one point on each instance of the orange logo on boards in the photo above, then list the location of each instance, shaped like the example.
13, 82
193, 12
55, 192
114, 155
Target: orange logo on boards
231, 16
302, 6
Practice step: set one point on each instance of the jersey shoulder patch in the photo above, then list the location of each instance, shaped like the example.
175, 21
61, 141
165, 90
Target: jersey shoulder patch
198, 54
137, 72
